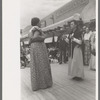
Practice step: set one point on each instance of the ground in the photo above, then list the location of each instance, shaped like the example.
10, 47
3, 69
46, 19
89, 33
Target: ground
64, 88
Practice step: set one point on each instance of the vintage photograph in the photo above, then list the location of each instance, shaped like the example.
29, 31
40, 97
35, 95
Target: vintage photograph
58, 49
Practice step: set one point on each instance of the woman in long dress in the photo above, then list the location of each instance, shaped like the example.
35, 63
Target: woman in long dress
92, 64
41, 77
87, 48
75, 68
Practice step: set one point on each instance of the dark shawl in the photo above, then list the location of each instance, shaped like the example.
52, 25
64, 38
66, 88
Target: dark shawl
77, 35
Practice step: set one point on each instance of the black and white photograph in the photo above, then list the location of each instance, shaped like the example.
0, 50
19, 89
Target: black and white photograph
58, 49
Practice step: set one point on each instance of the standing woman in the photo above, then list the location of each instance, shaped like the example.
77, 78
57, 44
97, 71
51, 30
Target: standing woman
75, 68
92, 64
87, 48
41, 77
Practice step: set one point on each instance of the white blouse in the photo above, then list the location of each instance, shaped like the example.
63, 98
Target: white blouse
87, 35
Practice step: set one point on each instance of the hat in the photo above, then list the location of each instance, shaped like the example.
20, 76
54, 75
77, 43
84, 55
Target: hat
77, 16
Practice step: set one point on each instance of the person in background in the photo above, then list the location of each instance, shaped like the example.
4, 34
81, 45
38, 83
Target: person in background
84, 30
83, 46
28, 57
87, 48
40, 68
75, 66
62, 49
23, 57
92, 64
67, 45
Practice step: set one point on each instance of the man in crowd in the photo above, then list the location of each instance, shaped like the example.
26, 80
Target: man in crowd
62, 49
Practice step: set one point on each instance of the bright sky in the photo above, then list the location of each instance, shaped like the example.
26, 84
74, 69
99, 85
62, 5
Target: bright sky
37, 8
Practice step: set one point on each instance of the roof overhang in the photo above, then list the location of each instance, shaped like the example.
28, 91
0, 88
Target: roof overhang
61, 23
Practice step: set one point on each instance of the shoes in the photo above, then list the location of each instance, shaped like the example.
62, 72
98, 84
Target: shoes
60, 62
77, 78
93, 69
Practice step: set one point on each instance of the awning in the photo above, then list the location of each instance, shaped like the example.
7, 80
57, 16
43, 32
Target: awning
49, 40
58, 24
61, 23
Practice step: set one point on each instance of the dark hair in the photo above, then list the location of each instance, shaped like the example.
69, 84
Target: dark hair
80, 24
73, 21
35, 21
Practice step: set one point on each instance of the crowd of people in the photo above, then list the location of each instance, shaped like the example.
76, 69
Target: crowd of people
78, 48
62, 49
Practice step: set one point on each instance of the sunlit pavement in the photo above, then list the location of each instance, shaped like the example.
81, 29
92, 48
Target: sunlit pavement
64, 88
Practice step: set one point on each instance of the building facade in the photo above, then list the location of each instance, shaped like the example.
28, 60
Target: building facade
86, 8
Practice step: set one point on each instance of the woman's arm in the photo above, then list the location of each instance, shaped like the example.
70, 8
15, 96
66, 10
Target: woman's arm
77, 40
36, 38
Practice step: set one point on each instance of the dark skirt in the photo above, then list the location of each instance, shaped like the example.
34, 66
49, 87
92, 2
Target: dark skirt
41, 77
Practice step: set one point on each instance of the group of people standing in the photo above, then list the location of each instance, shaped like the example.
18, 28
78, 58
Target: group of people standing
87, 35
41, 76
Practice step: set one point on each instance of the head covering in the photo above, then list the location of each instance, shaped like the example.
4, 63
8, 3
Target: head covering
35, 21
77, 16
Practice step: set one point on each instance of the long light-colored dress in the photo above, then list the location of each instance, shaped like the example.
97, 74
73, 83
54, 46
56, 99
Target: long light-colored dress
92, 64
41, 77
76, 68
